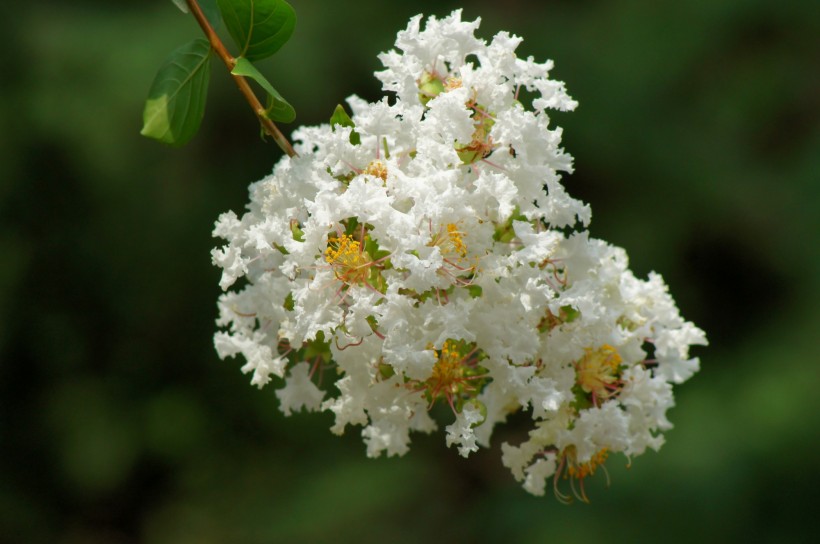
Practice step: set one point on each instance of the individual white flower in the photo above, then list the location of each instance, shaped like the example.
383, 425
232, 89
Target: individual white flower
537, 474
461, 431
299, 391
426, 254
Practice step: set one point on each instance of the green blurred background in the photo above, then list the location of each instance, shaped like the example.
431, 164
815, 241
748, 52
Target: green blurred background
697, 143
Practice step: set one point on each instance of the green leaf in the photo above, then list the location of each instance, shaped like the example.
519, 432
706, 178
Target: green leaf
340, 117
259, 27
176, 101
212, 13
278, 107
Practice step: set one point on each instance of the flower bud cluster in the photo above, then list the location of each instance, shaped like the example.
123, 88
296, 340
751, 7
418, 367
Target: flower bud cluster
426, 254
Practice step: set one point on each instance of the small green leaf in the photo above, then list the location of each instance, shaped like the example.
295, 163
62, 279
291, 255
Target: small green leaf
278, 107
340, 117
176, 101
259, 27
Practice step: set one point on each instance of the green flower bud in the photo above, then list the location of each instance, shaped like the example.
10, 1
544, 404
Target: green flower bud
430, 86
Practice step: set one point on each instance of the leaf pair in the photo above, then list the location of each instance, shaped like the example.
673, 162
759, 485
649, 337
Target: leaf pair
176, 100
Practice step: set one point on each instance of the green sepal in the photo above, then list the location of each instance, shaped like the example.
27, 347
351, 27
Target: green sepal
468, 155
297, 233
504, 232
475, 291
582, 399
430, 86
317, 347
341, 118
569, 314
479, 147
176, 100
278, 108
350, 225
372, 248
386, 371
259, 27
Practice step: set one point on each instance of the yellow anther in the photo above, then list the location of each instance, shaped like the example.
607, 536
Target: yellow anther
452, 82
450, 243
448, 368
377, 169
599, 372
456, 375
572, 470
456, 241
349, 262
579, 471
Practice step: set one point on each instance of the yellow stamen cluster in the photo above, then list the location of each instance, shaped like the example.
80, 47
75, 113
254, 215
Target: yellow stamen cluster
572, 470
452, 243
448, 369
579, 471
456, 242
377, 169
349, 261
452, 82
599, 372
453, 373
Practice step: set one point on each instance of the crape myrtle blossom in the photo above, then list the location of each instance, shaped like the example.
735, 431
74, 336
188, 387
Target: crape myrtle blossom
423, 252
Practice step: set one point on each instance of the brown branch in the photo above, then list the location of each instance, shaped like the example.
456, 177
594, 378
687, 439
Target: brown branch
219, 48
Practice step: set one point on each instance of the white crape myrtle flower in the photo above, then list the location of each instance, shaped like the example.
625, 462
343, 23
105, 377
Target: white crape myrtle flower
422, 252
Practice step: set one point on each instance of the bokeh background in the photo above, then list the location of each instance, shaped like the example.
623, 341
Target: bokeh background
697, 143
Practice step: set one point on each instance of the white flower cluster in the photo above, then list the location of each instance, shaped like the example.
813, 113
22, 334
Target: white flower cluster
423, 252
